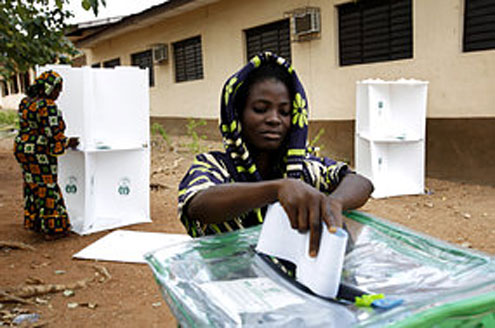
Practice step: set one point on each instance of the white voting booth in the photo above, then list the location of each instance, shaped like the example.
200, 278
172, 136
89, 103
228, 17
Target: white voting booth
390, 135
105, 182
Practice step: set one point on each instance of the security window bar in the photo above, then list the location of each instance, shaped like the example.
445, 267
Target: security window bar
274, 37
479, 25
188, 60
111, 63
144, 60
375, 31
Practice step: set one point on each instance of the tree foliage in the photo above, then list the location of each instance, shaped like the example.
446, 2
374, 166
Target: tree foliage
32, 33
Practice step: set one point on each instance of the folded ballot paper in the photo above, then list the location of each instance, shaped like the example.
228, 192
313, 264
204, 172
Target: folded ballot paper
320, 274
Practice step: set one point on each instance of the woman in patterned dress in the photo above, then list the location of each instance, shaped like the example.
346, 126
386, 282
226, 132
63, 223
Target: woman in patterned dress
40, 140
264, 117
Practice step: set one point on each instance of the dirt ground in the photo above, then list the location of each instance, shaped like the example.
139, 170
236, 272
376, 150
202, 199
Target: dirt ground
126, 295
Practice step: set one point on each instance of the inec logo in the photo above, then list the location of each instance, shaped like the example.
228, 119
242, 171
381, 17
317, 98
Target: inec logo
124, 187
71, 186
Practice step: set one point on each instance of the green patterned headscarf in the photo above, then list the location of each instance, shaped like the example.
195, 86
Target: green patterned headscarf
231, 129
44, 84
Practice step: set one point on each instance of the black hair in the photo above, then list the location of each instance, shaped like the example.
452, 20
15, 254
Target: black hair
268, 70
34, 90
37, 90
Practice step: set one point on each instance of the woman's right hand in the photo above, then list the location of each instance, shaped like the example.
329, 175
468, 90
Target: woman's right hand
73, 142
307, 207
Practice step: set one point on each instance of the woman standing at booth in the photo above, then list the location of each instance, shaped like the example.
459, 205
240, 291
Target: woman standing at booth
40, 140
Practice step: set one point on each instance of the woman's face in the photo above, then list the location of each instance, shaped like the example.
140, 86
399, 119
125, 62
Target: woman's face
56, 92
266, 118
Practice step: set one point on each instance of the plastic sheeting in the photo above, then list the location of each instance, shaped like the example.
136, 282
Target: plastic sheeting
221, 281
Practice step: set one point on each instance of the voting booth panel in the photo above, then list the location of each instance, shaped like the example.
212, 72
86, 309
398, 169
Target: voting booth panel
105, 106
123, 193
390, 135
105, 182
391, 109
73, 98
72, 180
395, 168
126, 93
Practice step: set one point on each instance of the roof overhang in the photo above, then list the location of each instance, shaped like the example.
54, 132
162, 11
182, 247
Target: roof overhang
141, 20
83, 30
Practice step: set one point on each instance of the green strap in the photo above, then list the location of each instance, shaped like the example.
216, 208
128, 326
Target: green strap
480, 308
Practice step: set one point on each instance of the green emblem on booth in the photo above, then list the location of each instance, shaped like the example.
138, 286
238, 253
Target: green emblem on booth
71, 186
124, 187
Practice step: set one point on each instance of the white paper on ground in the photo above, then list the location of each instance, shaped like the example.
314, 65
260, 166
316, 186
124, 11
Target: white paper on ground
128, 246
248, 295
320, 274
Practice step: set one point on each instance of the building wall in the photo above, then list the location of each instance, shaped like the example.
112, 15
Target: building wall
11, 101
461, 84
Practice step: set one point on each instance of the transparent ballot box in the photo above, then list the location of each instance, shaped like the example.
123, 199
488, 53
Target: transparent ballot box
220, 281
105, 182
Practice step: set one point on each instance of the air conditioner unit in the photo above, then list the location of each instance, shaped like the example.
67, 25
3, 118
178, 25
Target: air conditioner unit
306, 21
160, 53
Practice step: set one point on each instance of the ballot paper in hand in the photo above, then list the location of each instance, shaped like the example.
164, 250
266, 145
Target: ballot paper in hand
320, 274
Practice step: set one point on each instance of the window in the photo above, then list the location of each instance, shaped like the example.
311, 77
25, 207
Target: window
25, 80
274, 37
5, 88
111, 63
375, 31
479, 25
14, 86
188, 60
144, 60
79, 61
96, 65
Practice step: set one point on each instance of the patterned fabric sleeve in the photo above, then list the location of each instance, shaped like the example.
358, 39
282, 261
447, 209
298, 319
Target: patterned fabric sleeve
51, 120
206, 171
325, 173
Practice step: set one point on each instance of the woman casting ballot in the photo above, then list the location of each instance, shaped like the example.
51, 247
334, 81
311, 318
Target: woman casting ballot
264, 124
